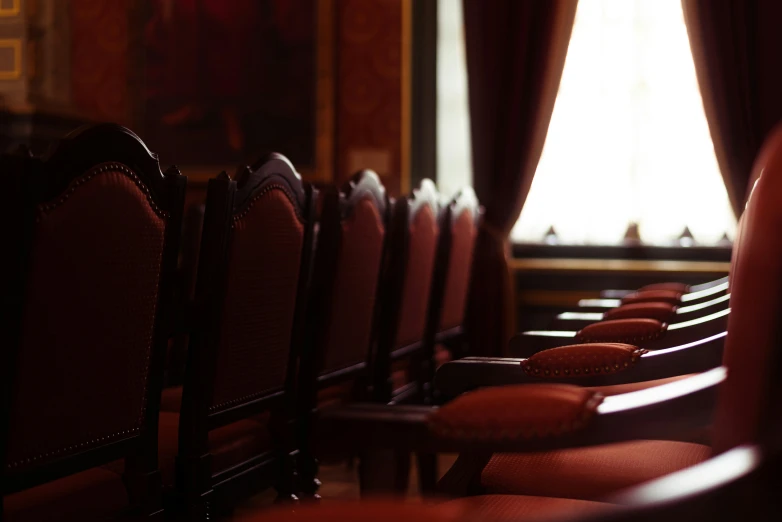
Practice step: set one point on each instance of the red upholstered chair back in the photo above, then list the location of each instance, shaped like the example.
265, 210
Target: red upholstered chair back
352, 304
345, 281
734, 252
750, 396
84, 365
250, 290
406, 287
460, 230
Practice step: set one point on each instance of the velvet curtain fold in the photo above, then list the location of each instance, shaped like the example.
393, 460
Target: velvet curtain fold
516, 51
737, 49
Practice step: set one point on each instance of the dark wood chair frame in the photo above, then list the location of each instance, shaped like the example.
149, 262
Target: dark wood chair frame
42, 181
192, 228
682, 314
198, 486
708, 287
526, 344
390, 300
670, 411
390, 305
470, 373
336, 206
686, 406
453, 337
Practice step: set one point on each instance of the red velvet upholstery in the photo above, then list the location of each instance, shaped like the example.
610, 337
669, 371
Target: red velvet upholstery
582, 360
673, 287
400, 373
336, 395
663, 312
442, 355
754, 327
260, 300
95, 494
510, 508
631, 331
515, 412
171, 399
229, 445
651, 296
356, 511
589, 473
418, 277
355, 286
463, 233
744, 402
94, 270
646, 296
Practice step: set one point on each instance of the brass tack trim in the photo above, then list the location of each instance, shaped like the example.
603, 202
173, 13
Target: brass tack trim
53, 453
46, 208
266, 190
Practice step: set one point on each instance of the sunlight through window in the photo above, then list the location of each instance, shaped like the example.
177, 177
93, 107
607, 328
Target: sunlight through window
628, 140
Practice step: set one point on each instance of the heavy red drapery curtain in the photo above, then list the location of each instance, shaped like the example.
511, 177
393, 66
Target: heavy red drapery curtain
515, 55
737, 49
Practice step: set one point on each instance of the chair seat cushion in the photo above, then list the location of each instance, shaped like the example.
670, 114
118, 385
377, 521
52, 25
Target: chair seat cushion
229, 445
499, 508
95, 494
618, 389
589, 473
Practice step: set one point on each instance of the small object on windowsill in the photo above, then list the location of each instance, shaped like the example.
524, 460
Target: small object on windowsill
725, 241
632, 235
686, 239
551, 237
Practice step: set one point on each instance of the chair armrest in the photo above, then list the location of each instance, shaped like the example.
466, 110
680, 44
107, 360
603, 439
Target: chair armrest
641, 332
661, 296
532, 417
633, 331
463, 375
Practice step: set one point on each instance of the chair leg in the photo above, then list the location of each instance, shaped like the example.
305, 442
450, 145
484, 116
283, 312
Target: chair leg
427, 472
144, 491
308, 483
401, 472
287, 483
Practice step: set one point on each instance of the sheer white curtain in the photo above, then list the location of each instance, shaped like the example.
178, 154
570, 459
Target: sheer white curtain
628, 140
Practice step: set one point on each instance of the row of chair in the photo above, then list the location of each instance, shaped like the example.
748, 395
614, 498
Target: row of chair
568, 429
304, 299
560, 439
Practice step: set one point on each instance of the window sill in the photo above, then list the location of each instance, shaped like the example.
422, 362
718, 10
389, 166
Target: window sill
616, 253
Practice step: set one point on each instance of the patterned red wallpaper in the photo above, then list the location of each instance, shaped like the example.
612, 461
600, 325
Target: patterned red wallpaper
369, 89
369, 67
99, 59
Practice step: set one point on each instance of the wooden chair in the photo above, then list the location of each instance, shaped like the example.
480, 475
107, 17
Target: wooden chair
405, 296
334, 366
693, 292
737, 485
230, 437
566, 441
85, 327
445, 338
192, 230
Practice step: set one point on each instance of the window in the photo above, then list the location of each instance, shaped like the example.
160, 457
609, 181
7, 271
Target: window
628, 140
454, 157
